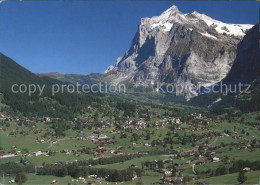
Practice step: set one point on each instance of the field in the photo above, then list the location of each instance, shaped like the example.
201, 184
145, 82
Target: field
37, 179
252, 178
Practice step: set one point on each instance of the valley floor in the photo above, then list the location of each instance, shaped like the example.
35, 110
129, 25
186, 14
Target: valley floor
209, 148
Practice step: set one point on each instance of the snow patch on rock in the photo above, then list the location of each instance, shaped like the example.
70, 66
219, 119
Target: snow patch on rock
220, 27
110, 68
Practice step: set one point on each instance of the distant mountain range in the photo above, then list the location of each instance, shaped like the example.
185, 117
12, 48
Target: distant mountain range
73, 78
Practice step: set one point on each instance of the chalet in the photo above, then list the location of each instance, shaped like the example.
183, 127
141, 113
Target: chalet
2, 153
12, 181
81, 138
246, 169
81, 178
171, 119
54, 182
166, 171
114, 152
167, 180
47, 119
46, 153
101, 148
65, 151
222, 134
141, 123
102, 136
92, 138
13, 152
91, 182
118, 153
14, 147
134, 175
177, 121
216, 159
202, 161
37, 153
186, 153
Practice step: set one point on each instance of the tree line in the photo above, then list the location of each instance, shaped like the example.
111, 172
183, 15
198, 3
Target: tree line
75, 171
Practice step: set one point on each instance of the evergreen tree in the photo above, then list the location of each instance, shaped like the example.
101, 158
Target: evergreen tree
20, 177
174, 172
241, 177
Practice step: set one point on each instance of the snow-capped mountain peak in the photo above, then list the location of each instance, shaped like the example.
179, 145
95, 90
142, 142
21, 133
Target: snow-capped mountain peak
173, 15
166, 19
238, 30
170, 12
190, 48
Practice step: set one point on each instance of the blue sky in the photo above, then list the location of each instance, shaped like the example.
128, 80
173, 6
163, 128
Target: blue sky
86, 37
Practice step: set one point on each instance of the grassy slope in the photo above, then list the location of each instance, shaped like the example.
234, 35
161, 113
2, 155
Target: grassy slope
46, 179
252, 178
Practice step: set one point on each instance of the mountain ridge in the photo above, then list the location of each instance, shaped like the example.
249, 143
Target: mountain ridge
184, 49
245, 72
188, 49
246, 66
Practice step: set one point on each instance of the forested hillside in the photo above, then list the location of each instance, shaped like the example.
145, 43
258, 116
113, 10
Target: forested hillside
63, 105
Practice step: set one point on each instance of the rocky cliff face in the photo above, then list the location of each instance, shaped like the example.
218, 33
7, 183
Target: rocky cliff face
246, 67
245, 70
184, 49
